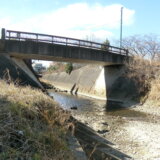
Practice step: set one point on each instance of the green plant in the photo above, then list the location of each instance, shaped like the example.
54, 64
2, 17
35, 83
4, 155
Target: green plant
68, 68
105, 45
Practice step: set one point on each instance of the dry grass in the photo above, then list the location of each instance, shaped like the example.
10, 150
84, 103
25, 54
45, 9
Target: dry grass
32, 126
154, 95
145, 74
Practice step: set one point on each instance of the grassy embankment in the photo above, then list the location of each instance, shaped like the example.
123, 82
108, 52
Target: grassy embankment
32, 126
146, 76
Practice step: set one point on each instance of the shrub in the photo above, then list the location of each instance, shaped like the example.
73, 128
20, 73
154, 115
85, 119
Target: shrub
68, 68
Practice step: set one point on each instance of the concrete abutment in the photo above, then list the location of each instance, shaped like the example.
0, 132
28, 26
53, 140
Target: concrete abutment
17, 71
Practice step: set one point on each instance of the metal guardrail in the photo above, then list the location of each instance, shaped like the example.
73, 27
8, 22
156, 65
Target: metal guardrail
28, 36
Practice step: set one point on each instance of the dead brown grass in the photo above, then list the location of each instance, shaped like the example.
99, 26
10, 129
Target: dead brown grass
154, 95
145, 74
32, 126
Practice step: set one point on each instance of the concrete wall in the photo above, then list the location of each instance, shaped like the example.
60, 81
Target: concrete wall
25, 68
94, 81
16, 70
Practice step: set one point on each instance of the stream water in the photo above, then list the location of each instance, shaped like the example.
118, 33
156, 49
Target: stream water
89, 109
82, 104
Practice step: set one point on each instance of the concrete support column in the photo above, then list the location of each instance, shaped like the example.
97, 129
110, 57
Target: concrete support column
106, 78
100, 84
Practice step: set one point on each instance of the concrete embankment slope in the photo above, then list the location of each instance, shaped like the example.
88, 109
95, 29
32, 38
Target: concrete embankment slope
18, 71
92, 80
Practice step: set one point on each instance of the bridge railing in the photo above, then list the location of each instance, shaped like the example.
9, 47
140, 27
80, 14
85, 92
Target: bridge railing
28, 36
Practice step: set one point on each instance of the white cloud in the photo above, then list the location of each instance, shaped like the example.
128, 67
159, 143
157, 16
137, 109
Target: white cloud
5, 22
76, 20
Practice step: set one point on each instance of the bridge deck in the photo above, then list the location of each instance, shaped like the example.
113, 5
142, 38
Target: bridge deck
50, 47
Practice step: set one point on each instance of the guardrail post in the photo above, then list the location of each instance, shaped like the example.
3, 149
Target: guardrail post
3, 34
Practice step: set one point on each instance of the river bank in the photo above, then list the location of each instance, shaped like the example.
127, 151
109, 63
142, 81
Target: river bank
32, 126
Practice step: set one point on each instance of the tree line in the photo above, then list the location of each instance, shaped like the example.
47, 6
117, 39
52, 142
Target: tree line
145, 46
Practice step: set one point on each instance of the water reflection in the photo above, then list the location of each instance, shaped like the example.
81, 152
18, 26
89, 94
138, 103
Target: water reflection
83, 104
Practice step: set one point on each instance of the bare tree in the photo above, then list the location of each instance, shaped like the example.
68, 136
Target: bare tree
146, 46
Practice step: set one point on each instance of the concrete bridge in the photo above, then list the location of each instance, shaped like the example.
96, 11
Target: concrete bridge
27, 45
19, 46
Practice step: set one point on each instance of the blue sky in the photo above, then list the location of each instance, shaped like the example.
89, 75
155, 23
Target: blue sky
95, 19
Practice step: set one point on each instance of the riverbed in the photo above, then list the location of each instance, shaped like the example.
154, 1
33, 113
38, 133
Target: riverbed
132, 130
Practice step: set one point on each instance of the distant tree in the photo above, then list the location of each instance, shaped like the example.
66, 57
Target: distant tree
105, 45
68, 68
146, 46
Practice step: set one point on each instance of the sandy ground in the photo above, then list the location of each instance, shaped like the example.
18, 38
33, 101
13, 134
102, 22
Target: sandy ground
135, 132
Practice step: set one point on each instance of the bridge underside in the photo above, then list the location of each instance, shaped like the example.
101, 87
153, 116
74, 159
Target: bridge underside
58, 52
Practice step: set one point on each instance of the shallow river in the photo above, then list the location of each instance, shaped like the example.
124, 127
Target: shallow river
83, 104
85, 108
90, 110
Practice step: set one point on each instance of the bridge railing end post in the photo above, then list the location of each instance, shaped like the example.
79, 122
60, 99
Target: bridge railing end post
3, 34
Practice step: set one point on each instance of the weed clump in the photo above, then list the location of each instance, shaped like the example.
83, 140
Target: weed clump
68, 68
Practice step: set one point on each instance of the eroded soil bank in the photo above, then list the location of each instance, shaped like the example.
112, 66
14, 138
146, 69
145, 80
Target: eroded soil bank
133, 131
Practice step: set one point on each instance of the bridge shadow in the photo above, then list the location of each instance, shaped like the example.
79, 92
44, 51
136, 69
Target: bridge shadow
96, 147
121, 91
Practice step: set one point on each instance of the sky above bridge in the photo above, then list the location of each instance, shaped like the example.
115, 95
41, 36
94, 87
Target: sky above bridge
85, 19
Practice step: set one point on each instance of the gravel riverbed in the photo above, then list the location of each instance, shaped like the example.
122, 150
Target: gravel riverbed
134, 131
